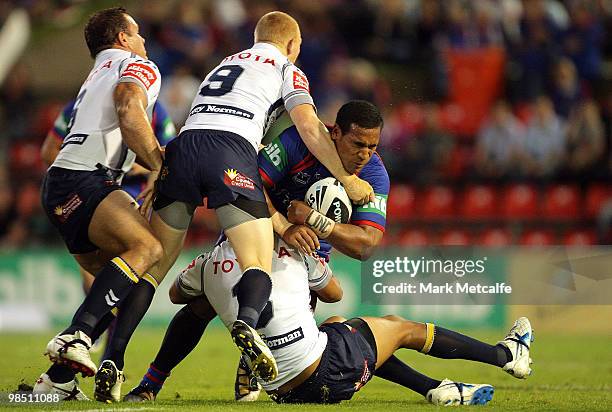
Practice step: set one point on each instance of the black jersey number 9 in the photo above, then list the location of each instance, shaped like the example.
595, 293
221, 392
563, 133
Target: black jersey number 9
222, 81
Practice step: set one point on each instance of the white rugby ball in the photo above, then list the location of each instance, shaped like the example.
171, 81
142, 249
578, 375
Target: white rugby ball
328, 197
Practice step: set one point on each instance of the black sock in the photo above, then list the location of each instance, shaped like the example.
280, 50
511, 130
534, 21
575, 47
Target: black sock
253, 292
63, 374
396, 371
131, 311
452, 345
112, 284
183, 334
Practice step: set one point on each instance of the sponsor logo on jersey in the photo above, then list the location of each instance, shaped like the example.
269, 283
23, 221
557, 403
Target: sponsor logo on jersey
142, 72
378, 206
221, 109
300, 81
276, 154
365, 377
286, 339
63, 212
74, 139
234, 178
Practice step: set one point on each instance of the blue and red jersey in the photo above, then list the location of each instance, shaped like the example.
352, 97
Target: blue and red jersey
288, 169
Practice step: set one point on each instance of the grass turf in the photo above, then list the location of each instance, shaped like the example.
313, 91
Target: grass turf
570, 373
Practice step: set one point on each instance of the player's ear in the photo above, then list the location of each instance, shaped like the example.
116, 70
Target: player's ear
122, 39
335, 132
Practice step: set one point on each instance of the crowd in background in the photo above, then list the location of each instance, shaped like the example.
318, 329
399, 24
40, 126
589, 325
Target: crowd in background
488, 92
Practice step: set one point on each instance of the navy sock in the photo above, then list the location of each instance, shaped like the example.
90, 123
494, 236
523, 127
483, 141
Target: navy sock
448, 344
112, 284
63, 374
253, 292
396, 371
131, 311
183, 334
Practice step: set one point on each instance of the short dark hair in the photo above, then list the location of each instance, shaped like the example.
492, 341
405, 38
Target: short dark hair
361, 113
103, 27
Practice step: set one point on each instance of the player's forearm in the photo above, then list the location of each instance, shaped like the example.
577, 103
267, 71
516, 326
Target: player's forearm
50, 149
354, 241
138, 135
280, 224
315, 136
319, 143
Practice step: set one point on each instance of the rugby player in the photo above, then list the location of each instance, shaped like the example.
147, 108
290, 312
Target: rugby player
133, 183
215, 156
330, 363
109, 128
136, 178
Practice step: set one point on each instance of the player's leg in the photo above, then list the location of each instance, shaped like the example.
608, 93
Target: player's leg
182, 336
117, 228
410, 335
248, 227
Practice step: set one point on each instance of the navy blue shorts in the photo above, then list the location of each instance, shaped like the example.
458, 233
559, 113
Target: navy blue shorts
210, 163
70, 198
347, 364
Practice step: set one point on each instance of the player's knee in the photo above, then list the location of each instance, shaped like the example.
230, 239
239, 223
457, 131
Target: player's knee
149, 249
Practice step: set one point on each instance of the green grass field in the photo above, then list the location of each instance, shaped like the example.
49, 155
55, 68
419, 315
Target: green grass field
570, 373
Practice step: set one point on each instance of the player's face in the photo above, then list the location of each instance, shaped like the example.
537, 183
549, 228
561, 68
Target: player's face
136, 43
355, 147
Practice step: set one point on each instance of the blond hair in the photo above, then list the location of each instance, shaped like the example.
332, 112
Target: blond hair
276, 27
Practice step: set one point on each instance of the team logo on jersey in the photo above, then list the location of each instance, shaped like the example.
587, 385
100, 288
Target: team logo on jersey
142, 72
300, 81
286, 339
234, 178
63, 212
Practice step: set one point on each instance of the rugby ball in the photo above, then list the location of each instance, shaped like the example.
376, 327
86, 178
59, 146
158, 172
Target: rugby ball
327, 196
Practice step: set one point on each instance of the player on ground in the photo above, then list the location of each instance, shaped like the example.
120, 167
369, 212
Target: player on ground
108, 129
215, 156
330, 363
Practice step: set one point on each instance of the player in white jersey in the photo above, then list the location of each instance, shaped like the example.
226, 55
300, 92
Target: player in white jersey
329, 363
215, 157
109, 127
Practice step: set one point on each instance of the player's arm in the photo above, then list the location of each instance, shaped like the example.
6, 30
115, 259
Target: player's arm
322, 281
298, 236
356, 241
50, 148
131, 103
319, 143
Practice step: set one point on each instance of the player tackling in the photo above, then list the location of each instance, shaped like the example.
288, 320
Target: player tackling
215, 156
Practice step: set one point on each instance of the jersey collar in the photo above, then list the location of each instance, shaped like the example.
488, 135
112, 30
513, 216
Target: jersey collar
268, 47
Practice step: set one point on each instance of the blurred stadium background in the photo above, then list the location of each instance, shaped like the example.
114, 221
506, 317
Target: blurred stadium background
497, 128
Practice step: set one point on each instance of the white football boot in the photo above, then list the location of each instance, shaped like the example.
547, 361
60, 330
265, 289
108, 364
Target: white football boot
108, 382
518, 341
450, 393
68, 391
72, 351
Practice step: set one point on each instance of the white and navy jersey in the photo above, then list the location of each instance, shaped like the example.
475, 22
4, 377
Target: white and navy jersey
93, 135
287, 324
247, 92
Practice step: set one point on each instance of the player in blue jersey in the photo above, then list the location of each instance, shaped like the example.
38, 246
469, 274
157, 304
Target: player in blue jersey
288, 169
